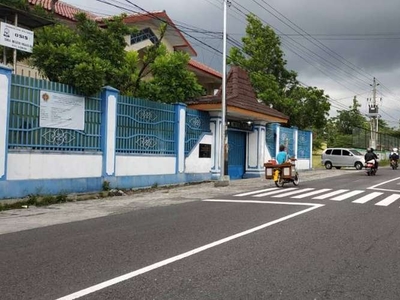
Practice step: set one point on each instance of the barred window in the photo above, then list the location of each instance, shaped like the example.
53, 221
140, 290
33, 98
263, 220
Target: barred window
142, 35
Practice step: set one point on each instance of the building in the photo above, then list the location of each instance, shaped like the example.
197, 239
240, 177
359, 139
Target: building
148, 25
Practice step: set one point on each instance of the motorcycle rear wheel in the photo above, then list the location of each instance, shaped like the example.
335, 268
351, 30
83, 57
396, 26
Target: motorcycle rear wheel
296, 180
280, 182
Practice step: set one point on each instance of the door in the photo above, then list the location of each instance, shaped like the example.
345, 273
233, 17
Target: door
236, 154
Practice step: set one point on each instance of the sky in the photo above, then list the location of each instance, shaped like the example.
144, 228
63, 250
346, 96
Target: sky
338, 46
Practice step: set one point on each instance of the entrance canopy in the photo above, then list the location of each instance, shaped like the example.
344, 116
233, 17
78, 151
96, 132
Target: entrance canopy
241, 101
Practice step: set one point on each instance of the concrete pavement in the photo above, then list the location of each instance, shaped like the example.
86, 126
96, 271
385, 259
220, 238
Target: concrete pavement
35, 217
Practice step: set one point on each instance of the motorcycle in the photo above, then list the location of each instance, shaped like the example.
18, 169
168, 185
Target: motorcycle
394, 164
370, 167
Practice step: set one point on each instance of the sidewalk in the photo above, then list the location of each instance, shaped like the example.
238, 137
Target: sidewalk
35, 217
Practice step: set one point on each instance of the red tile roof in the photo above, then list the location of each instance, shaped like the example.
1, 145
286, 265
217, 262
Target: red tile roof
240, 94
62, 9
205, 68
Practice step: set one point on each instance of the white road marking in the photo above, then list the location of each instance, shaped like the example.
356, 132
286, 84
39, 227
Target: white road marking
292, 193
374, 187
330, 194
347, 195
388, 200
165, 262
311, 193
255, 192
367, 197
274, 192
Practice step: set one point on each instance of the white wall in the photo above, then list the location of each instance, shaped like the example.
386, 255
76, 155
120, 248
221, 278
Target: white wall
129, 165
53, 166
195, 164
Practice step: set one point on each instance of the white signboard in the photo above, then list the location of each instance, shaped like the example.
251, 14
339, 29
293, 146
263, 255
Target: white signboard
16, 37
62, 111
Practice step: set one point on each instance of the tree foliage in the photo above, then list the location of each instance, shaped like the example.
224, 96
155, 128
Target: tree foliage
89, 57
263, 59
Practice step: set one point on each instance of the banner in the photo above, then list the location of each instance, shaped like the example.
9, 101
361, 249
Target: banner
16, 37
62, 111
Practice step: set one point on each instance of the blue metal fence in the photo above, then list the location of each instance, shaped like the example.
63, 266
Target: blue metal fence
304, 144
145, 127
24, 129
286, 137
197, 123
271, 139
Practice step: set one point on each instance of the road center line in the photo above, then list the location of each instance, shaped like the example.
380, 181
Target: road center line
165, 262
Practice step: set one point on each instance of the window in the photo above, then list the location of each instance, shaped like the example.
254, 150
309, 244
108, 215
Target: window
346, 153
336, 152
143, 35
328, 151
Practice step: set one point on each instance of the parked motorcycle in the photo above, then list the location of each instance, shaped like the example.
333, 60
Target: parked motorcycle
370, 167
393, 163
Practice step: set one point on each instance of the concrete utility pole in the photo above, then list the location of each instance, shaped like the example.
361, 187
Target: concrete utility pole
224, 177
374, 116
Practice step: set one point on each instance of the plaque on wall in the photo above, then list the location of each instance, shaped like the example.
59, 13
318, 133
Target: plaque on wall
205, 150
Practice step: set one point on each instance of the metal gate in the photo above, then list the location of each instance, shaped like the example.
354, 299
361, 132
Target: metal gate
236, 154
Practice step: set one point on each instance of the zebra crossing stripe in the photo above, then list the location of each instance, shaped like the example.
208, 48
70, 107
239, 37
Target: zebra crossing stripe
367, 197
255, 192
273, 192
347, 195
292, 193
330, 194
311, 193
388, 200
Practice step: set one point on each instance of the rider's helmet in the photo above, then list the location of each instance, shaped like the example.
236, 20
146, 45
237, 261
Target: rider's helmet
369, 150
395, 150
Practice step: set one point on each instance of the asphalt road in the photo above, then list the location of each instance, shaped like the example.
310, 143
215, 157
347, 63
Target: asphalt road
333, 238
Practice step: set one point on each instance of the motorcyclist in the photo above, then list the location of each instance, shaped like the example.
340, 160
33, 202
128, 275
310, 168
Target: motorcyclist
370, 155
394, 156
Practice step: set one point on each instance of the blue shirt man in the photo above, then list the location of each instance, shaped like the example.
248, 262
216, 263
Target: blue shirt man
282, 156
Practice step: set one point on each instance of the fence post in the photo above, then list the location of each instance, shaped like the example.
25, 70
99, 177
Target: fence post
5, 91
295, 141
278, 139
109, 98
216, 128
180, 130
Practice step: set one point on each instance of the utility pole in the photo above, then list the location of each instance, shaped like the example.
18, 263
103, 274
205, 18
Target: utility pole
374, 116
224, 178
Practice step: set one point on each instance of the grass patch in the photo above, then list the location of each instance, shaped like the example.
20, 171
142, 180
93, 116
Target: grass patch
316, 161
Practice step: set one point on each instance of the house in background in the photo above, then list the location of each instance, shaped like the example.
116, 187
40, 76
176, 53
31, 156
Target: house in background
148, 25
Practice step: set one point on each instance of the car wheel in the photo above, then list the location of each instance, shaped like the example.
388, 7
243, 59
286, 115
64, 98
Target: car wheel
358, 165
328, 165
338, 168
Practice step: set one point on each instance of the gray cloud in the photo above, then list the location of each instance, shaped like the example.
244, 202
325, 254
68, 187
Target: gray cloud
365, 33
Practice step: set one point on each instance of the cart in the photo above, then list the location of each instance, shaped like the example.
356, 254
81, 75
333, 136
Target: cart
282, 173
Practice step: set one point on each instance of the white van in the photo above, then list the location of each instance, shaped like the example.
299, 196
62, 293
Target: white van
342, 157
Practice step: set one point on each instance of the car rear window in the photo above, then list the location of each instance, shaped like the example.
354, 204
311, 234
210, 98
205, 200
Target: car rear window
336, 152
328, 151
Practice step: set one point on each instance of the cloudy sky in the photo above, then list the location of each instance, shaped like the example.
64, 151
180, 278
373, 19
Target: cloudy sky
338, 46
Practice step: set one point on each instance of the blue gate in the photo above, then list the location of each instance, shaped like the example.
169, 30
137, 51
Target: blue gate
236, 154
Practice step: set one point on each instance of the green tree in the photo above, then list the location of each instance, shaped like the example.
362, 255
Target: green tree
172, 81
263, 59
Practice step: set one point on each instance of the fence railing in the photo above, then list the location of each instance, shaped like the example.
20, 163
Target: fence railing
145, 127
303, 144
361, 139
197, 123
24, 129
